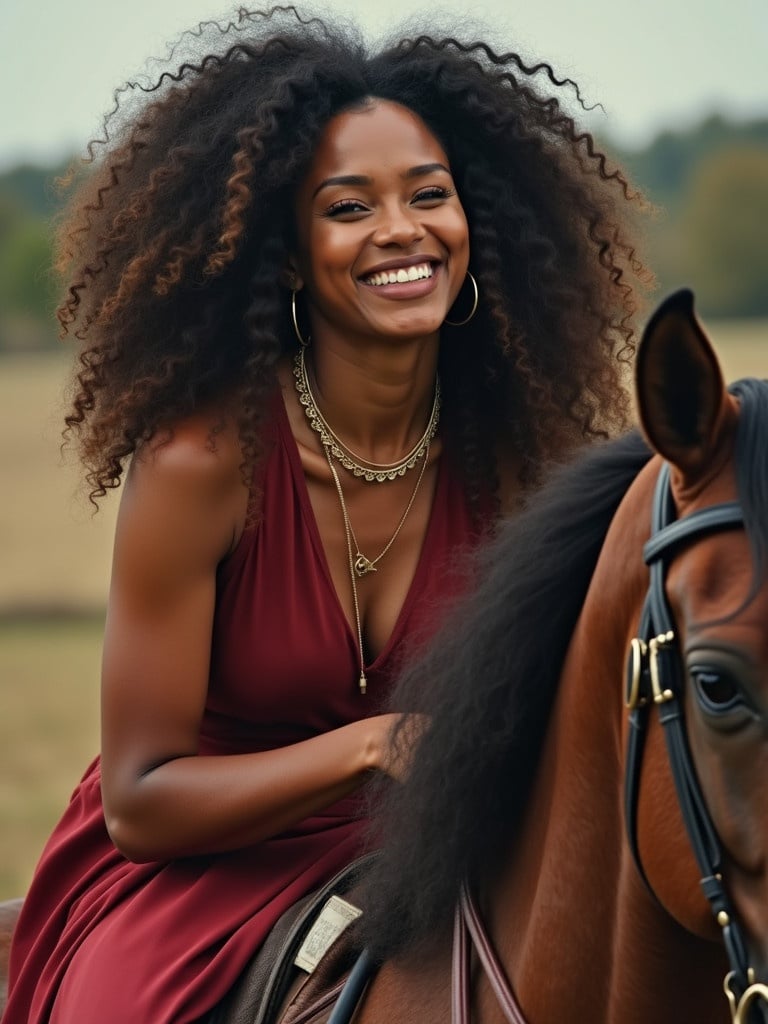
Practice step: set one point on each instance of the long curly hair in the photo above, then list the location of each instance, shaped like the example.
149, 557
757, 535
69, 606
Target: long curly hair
174, 241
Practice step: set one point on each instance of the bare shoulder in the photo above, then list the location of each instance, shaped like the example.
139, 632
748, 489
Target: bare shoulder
203, 449
191, 474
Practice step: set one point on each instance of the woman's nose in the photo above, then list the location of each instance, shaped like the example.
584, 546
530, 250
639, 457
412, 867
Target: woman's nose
398, 225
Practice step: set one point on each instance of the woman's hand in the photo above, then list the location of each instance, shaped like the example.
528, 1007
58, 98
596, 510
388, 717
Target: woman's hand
399, 738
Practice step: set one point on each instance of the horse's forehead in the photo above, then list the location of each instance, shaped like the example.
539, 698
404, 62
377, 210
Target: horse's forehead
709, 573
711, 589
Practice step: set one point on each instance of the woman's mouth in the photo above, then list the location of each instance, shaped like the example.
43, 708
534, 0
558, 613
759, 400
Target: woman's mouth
402, 275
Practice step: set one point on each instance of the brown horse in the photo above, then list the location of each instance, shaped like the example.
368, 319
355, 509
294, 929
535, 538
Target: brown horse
519, 784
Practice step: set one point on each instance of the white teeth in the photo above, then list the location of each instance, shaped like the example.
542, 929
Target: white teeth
401, 276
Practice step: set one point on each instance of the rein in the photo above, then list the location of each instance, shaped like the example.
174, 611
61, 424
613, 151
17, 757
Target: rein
655, 678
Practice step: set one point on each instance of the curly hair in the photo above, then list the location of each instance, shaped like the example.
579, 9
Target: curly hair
174, 242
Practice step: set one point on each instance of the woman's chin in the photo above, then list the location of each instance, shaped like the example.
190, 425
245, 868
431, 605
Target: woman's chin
412, 325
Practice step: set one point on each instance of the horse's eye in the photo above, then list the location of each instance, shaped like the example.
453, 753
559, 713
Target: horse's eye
717, 690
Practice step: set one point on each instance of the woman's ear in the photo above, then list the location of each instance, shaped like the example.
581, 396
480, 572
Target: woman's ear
291, 278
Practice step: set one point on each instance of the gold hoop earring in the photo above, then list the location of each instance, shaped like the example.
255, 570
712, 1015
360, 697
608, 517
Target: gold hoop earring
296, 329
460, 323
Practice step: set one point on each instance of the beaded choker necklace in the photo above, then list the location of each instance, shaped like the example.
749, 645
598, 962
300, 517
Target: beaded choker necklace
372, 472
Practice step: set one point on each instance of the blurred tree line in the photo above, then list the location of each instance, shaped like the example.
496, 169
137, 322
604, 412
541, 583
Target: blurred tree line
709, 184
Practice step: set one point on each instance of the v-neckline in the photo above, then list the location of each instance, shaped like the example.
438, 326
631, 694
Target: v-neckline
300, 484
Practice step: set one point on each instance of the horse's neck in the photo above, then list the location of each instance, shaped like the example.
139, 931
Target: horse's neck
570, 915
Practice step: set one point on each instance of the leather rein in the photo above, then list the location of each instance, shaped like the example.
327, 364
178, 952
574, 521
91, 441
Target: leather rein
654, 679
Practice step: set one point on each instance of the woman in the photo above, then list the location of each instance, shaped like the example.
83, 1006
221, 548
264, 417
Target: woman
338, 310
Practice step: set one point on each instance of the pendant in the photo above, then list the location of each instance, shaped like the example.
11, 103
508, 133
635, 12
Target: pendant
364, 565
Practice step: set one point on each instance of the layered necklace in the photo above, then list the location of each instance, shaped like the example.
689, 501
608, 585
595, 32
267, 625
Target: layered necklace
372, 472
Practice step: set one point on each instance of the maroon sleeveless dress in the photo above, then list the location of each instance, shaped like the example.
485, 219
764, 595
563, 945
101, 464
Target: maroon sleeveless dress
103, 939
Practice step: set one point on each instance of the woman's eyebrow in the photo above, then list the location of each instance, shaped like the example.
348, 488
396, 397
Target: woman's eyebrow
343, 179
361, 179
417, 172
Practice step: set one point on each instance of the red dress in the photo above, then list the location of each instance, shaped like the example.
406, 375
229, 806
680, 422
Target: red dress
103, 939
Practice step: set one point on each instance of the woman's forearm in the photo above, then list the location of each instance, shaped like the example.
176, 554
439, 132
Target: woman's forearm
203, 804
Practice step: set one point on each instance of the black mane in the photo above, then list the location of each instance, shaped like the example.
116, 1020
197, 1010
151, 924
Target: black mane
489, 678
487, 681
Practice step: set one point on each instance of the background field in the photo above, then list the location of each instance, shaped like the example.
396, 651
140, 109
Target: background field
54, 566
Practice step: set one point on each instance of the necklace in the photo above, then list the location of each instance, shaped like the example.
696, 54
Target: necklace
358, 564
378, 472
365, 565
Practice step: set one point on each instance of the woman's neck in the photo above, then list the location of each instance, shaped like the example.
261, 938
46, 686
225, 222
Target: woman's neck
376, 400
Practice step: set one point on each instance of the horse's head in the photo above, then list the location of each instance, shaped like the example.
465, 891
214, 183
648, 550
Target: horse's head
714, 576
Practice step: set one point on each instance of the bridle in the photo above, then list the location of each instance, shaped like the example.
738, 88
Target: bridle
655, 679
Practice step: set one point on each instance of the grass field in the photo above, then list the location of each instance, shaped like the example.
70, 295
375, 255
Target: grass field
54, 557
54, 553
49, 684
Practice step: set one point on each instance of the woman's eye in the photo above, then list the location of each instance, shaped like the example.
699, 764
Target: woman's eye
345, 206
434, 193
717, 691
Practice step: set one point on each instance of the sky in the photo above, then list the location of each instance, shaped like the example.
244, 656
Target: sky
655, 65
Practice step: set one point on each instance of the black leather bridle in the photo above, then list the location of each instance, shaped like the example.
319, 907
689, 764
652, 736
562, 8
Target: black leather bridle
655, 678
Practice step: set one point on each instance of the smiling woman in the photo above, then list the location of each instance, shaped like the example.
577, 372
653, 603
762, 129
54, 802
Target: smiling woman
338, 311
383, 241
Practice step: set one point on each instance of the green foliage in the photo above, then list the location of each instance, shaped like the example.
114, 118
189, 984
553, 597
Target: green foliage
28, 202
26, 279
33, 189
665, 167
710, 185
725, 226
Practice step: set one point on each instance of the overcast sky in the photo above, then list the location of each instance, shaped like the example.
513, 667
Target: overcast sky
655, 64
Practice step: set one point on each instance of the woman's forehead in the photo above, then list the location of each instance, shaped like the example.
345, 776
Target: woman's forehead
380, 135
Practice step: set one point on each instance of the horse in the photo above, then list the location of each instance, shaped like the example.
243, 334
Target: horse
584, 831
547, 860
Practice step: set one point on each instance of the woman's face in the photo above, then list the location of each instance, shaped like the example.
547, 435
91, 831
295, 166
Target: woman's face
382, 240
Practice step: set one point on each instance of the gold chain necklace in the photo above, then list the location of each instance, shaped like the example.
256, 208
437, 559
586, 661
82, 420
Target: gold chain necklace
365, 565
358, 564
378, 472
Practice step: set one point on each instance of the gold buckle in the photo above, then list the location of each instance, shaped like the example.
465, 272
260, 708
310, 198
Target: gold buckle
638, 651
654, 646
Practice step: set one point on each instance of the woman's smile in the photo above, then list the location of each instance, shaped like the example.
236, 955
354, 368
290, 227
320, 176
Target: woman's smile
409, 278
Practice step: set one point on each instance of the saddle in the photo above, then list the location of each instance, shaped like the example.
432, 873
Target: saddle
300, 970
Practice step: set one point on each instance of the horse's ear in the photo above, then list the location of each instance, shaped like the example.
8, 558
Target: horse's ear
681, 396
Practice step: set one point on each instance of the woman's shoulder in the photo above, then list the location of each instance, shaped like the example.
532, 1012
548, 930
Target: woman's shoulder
203, 448
192, 471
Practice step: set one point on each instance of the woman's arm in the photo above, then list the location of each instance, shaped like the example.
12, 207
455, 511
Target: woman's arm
181, 513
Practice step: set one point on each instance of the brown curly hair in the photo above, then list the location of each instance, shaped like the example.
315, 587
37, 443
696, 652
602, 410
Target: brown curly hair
174, 243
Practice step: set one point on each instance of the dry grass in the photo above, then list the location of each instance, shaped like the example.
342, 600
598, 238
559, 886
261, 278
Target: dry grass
49, 674
54, 554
